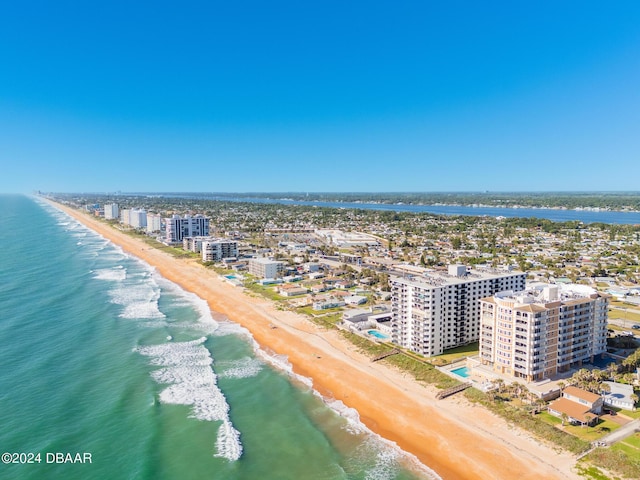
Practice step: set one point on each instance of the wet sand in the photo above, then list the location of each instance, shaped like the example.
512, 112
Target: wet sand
455, 438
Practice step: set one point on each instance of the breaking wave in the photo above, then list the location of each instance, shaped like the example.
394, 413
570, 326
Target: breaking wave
187, 370
244, 368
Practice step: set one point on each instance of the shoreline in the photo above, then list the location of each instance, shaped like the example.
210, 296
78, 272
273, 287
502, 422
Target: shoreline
453, 437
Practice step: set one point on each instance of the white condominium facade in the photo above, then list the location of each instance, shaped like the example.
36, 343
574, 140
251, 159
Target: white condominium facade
265, 267
138, 218
216, 250
435, 312
154, 223
179, 227
111, 211
125, 216
546, 329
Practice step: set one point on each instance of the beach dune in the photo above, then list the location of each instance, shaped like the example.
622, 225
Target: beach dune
455, 438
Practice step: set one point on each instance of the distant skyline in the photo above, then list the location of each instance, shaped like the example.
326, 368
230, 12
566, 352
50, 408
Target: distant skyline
327, 97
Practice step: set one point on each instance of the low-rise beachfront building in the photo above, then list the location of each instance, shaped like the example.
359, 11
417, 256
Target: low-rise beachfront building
216, 250
327, 304
619, 395
111, 211
265, 267
179, 227
437, 311
383, 322
291, 290
579, 406
355, 300
356, 319
193, 244
544, 330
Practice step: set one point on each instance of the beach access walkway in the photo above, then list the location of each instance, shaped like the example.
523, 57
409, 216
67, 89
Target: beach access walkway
395, 351
452, 390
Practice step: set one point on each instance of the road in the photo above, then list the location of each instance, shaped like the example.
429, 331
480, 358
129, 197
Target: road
622, 432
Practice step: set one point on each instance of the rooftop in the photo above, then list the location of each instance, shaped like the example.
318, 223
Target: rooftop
432, 278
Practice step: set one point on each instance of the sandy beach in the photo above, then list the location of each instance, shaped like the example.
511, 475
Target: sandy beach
455, 438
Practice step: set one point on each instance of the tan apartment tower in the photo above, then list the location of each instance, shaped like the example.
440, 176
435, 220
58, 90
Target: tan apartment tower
543, 330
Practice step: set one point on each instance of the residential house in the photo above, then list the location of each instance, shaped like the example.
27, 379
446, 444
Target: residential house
579, 406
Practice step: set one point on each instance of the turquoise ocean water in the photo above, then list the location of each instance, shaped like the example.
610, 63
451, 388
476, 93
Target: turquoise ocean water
100, 355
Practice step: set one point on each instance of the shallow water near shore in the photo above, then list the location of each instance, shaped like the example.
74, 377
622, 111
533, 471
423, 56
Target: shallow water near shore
102, 355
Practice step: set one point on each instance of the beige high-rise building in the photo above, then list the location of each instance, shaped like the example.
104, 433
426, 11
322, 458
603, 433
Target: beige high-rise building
543, 330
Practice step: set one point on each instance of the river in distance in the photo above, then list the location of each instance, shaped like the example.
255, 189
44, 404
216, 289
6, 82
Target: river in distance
556, 215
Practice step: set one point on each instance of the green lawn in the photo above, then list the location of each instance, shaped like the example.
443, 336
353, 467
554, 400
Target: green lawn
455, 354
589, 434
619, 303
631, 414
264, 291
632, 451
550, 419
624, 315
633, 440
314, 313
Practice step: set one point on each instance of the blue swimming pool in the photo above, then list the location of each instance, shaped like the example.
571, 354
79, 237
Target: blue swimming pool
377, 334
461, 372
230, 277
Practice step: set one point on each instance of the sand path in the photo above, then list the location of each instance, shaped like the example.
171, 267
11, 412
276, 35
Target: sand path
455, 438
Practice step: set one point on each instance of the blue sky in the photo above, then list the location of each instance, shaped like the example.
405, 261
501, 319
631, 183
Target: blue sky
319, 96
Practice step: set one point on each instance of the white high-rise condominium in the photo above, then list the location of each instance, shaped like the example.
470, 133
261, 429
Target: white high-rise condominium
179, 227
125, 216
543, 330
111, 211
218, 249
138, 218
437, 311
154, 223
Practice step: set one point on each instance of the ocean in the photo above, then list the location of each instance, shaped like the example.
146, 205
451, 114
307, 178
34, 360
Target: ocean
110, 371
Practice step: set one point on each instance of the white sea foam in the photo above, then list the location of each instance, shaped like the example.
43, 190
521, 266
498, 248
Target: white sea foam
389, 454
139, 300
244, 368
281, 363
116, 274
228, 442
192, 382
200, 305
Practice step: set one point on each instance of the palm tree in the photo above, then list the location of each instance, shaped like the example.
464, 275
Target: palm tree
587, 419
561, 386
564, 417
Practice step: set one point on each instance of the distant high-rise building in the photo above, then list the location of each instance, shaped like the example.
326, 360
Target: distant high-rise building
111, 211
125, 216
179, 227
138, 218
154, 223
543, 330
437, 311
